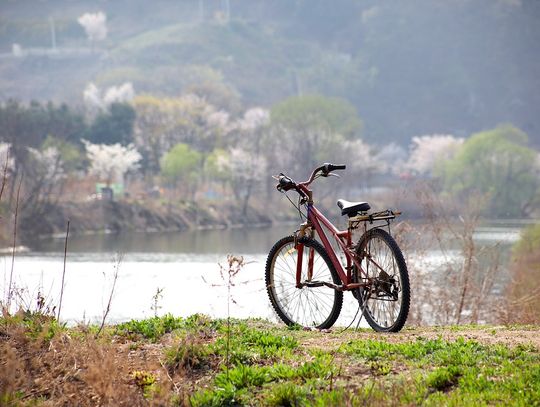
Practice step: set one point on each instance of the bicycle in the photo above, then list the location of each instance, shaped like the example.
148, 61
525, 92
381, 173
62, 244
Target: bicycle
305, 279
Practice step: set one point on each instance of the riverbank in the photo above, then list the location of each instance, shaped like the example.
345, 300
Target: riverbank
202, 362
102, 217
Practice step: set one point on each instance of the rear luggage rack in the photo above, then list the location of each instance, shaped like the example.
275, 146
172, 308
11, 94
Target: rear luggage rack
386, 215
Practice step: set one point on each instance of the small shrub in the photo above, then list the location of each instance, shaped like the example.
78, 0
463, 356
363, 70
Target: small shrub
444, 378
188, 355
144, 380
380, 368
151, 328
243, 376
249, 346
225, 395
287, 395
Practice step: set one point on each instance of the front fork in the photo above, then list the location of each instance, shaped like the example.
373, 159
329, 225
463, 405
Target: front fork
305, 229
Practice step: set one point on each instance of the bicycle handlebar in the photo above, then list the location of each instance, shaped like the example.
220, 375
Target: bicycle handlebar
285, 183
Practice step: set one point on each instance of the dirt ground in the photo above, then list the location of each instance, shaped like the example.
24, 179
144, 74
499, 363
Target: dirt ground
489, 335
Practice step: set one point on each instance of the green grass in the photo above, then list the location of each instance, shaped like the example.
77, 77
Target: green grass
154, 328
269, 364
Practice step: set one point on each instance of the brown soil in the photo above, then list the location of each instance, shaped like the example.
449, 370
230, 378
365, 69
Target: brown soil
489, 335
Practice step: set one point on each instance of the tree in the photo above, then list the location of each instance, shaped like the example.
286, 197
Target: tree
114, 125
429, 151
111, 162
181, 164
7, 162
24, 126
523, 291
308, 130
99, 100
216, 166
333, 115
95, 26
44, 176
70, 154
163, 123
246, 170
497, 164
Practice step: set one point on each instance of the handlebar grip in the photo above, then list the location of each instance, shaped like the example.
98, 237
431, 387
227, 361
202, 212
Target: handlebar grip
327, 167
285, 183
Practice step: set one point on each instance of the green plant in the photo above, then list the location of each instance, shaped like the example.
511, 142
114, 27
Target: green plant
286, 394
380, 367
151, 328
442, 379
188, 355
247, 345
242, 376
144, 380
226, 395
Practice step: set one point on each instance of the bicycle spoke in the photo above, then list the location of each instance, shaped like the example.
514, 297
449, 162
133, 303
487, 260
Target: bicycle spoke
311, 306
383, 301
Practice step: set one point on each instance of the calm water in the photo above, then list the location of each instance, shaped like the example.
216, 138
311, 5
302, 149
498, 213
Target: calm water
185, 265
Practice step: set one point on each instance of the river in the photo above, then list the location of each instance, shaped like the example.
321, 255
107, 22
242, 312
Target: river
184, 266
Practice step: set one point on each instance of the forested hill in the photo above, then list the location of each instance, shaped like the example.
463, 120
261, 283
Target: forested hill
409, 67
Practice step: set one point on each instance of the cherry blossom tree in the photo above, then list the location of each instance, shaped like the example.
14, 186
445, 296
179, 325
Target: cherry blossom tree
254, 118
7, 163
392, 158
96, 99
95, 26
427, 151
246, 169
111, 162
48, 164
163, 123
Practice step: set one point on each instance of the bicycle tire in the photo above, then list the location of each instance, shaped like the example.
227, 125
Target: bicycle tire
317, 307
380, 309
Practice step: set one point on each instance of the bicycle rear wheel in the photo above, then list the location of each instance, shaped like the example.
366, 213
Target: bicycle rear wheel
386, 300
317, 307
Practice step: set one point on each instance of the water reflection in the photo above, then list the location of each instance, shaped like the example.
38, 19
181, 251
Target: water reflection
221, 242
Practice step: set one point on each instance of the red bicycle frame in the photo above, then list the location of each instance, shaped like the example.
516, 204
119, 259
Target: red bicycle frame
343, 237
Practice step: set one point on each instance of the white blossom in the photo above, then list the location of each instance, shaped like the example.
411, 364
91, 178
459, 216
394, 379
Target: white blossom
427, 151
244, 165
119, 94
360, 157
49, 163
254, 118
218, 119
95, 98
95, 25
111, 162
6, 158
92, 96
392, 157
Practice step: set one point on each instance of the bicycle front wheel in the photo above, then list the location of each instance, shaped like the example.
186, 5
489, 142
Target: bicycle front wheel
317, 307
386, 297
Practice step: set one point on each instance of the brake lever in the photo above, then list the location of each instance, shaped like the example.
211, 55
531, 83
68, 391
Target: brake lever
331, 174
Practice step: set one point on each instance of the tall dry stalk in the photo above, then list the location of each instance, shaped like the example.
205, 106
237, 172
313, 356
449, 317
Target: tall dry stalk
459, 291
234, 265
155, 301
111, 294
522, 294
63, 272
14, 245
4, 176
